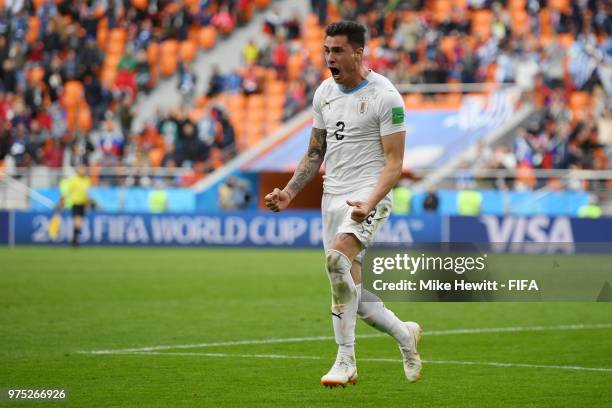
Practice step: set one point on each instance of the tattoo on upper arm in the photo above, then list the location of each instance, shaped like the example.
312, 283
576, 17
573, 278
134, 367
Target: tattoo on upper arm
310, 163
318, 145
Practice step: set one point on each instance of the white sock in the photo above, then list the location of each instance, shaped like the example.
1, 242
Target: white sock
346, 350
373, 311
344, 299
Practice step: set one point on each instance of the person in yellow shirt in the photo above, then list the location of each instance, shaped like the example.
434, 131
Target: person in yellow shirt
76, 192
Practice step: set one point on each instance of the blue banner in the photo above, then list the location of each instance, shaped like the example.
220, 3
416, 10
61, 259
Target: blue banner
294, 229
541, 228
250, 228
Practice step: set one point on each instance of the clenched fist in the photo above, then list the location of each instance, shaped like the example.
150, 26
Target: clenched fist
277, 200
361, 210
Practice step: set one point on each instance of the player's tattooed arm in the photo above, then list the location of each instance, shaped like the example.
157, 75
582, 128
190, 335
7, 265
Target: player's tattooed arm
310, 164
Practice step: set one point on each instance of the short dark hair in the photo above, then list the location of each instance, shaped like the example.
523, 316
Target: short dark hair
355, 32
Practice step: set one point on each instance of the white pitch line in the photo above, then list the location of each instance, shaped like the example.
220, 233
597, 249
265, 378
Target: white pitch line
323, 338
378, 360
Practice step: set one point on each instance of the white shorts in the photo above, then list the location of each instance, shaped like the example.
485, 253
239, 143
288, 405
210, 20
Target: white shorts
337, 219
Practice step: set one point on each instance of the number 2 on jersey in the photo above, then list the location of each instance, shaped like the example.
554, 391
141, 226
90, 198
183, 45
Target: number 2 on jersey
340, 125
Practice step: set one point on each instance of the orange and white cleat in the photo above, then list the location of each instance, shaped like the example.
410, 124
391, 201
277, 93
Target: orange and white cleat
412, 359
343, 372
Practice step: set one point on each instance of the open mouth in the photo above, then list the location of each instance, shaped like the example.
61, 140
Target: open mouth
335, 71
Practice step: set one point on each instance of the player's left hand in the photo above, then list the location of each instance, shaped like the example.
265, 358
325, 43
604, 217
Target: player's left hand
361, 210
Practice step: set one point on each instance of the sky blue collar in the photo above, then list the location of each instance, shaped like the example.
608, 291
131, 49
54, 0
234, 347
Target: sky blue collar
355, 88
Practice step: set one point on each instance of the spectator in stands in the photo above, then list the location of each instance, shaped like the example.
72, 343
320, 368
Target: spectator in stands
280, 58
111, 143
552, 64
274, 23
469, 202
293, 26
250, 82
431, 202
224, 21
9, 76
402, 198
296, 99
250, 53
189, 147
19, 146
168, 128
36, 141
215, 83
5, 139
225, 137
82, 148
52, 154
126, 74
158, 199
125, 114
234, 194
187, 84
319, 7
143, 72
207, 129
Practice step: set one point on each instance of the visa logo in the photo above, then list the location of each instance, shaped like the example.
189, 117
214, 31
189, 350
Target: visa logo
540, 229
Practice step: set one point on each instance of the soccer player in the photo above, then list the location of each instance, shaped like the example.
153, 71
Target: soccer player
77, 194
359, 131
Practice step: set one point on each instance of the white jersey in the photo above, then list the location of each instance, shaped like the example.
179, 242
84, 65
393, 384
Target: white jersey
356, 121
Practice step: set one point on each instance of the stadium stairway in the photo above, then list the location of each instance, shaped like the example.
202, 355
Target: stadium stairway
227, 54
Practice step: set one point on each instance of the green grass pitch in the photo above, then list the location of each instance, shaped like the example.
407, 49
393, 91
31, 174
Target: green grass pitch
56, 303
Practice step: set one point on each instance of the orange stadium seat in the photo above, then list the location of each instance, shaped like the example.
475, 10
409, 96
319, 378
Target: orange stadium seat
413, 101
311, 21
560, 5
108, 75
153, 53
236, 102
140, 4
295, 66
276, 88
188, 50
253, 135
112, 60
84, 119
73, 94
275, 102
115, 48
155, 156
517, 5
207, 37
546, 27
168, 65
453, 100
102, 34
262, 4
168, 57
255, 102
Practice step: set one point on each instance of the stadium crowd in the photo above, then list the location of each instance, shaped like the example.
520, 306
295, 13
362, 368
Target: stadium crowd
72, 71
557, 51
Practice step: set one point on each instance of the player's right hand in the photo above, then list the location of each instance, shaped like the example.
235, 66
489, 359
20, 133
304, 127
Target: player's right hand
277, 200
